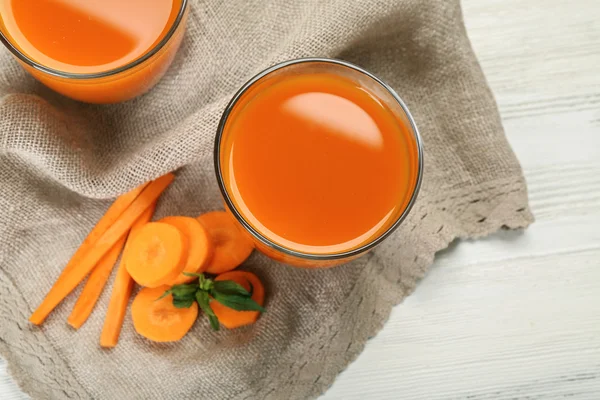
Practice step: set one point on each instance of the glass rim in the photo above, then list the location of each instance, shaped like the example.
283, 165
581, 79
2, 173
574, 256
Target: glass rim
265, 240
96, 75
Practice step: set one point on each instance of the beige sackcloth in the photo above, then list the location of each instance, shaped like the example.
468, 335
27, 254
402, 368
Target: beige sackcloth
62, 163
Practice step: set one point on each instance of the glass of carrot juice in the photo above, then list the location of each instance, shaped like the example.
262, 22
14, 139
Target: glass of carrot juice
318, 160
97, 51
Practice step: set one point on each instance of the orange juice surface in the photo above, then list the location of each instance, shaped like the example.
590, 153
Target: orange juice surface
86, 36
317, 164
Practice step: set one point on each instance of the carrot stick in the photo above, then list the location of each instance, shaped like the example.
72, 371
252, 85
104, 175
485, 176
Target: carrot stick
65, 284
94, 286
112, 214
121, 292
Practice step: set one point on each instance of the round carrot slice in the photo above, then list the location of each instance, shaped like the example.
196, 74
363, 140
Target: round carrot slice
200, 246
160, 320
158, 254
231, 318
231, 246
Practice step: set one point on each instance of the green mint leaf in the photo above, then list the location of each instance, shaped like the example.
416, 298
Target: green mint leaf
214, 322
165, 294
193, 274
183, 303
205, 283
230, 287
204, 303
185, 291
237, 302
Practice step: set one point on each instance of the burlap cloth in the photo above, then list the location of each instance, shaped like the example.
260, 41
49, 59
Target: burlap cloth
61, 163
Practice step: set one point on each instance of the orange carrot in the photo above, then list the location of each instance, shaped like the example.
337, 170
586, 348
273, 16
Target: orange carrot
231, 318
112, 214
232, 246
94, 286
200, 246
117, 307
157, 255
158, 319
69, 281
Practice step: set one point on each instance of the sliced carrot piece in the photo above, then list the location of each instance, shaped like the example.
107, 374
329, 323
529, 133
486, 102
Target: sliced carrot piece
200, 246
69, 281
121, 292
231, 246
158, 319
158, 254
94, 286
231, 318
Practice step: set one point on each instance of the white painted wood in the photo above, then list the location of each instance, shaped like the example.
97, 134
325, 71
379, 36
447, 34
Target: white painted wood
516, 315
8, 389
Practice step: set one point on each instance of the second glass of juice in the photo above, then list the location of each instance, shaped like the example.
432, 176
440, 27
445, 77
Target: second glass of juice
318, 160
97, 51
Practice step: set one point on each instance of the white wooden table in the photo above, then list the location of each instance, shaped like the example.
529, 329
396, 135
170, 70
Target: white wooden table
517, 315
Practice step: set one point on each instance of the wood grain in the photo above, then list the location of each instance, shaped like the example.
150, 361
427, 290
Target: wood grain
517, 315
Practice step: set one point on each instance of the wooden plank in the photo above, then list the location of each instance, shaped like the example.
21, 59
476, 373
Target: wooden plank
514, 316
523, 327
8, 388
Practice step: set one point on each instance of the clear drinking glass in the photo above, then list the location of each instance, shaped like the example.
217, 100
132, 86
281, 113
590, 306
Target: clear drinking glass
113, 86
366, 81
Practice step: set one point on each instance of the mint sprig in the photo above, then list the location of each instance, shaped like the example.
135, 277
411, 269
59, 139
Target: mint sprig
203, 291
204, 302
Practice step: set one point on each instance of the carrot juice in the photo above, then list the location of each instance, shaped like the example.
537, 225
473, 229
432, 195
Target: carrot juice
94, 50
315, 164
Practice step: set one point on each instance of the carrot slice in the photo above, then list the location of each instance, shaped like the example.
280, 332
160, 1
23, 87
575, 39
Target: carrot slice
121, 292
200, 246
69, 281
158, 254
94, 286
231, 318
158, 319
231, 246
